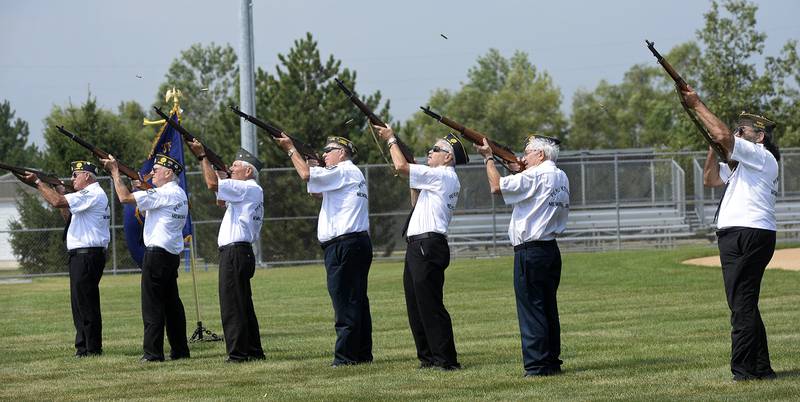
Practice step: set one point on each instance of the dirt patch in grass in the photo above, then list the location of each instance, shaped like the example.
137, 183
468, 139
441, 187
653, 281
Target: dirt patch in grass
788, 258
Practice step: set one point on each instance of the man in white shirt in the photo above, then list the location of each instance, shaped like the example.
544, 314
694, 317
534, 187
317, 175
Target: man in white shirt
540, 196
166, 208
87, 237
434, 195
240, 228
342, 230
746, 229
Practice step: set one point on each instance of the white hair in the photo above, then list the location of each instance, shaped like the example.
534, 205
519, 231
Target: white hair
447, 146
250, 165
549, 149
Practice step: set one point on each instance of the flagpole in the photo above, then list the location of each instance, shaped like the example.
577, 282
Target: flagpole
197, 336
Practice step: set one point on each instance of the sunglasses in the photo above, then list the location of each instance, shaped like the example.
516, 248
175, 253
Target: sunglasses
329, 149
436, 148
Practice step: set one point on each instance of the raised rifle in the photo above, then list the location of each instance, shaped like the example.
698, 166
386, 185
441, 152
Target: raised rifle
501, 153
100, 154
374, 119
45, 177
681, 83
304, 149
212, 156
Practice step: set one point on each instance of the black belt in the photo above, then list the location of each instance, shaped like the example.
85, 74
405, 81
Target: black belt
428, 235
154, 249
87, 250
534, 243
346, 236
236, 244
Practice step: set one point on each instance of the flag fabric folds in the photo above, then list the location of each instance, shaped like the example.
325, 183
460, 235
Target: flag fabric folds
169, 142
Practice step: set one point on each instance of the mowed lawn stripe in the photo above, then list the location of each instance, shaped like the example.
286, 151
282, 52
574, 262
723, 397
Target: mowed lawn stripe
636, 325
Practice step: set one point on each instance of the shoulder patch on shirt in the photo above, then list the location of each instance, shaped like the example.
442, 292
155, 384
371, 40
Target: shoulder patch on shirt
331, 167
84, 192
151, 190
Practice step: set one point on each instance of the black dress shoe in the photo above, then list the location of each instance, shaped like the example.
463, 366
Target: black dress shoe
179, 357
146, 359
449, 367
232, 361
259, 357
425, 365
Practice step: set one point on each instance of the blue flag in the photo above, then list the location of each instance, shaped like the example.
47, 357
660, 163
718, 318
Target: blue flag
169, 142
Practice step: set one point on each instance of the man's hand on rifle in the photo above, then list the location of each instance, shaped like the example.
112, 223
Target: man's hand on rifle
110, 164
386, 133
284, 142
485, 150
29, 178
196, 147
690, 97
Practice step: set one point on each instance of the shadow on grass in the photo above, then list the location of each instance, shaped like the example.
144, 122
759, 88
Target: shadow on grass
793, 373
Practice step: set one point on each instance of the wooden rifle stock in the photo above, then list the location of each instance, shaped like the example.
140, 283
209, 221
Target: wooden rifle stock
100, 154
504, 153
681, 83
212, 156
304, 149
45, 177
374, 119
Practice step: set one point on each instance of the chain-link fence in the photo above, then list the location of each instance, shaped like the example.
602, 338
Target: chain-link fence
618, 200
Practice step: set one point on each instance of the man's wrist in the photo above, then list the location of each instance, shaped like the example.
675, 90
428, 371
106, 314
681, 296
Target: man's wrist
391, 141
291, 151
201, 157
37, 181
486, 159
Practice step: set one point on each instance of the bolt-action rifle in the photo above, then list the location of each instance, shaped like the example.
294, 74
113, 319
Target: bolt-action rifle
374, 119
304, 149
502, 153
679, 81
212, 156
48, 178
100, 154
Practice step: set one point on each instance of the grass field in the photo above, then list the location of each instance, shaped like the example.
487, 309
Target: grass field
635, 326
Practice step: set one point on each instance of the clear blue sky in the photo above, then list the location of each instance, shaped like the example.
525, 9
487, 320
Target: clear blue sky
52, 51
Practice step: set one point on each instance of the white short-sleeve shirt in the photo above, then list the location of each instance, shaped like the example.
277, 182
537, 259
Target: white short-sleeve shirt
91, 216
749, 200
438, 196
244, 211
540, 196
167, 208
344, 199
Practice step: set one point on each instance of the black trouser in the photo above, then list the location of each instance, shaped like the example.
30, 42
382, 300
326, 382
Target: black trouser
537, 273
423, 282
237, 265
85, 270
744, 254
347, 265
161, 305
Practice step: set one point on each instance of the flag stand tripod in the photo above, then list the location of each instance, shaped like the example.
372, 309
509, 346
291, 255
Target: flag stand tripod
200, 334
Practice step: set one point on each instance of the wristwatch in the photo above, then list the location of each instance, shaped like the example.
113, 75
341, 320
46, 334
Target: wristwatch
391, 142
201, 157
291, 152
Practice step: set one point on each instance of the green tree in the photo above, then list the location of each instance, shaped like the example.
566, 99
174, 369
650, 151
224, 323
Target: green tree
644, 111
14, 148
507, 99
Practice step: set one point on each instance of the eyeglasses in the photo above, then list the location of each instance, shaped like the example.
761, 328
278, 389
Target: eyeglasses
329, 149
436, 148
75, 174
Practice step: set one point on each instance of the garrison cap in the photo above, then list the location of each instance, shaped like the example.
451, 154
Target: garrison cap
168, 162
551, 140
245, 156
83, 166
758, 122
344, 142
458, 149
